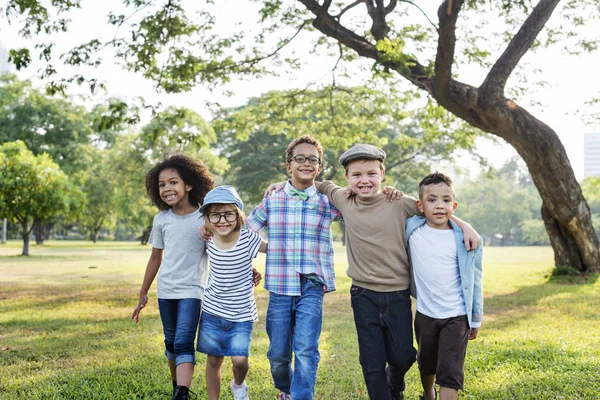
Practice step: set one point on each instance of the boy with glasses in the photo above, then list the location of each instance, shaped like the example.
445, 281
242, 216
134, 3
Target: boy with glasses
299, 269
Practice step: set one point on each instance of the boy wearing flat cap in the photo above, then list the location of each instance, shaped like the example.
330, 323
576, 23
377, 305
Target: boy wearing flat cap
378, 264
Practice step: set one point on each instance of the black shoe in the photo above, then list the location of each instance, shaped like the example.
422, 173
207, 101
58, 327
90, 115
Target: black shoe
396, 394
181, 393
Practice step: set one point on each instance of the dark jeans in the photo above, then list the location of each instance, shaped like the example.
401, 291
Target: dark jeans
180, 322
384, 326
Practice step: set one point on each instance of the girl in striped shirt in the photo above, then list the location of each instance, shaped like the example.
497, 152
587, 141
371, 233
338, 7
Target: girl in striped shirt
228, 307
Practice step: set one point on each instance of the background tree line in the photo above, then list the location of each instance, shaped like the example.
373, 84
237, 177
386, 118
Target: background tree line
68, 172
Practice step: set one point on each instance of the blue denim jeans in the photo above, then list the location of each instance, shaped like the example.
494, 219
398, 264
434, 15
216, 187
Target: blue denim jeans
294, 325
384, 326
180, 321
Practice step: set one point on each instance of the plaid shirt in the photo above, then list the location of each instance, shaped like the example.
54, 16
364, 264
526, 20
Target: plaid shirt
299, 234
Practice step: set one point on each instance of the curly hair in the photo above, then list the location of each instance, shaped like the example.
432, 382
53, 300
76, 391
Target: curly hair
289, 153
434, 179
192, 172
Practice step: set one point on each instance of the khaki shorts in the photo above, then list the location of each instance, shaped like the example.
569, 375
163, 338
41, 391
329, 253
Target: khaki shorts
442, 348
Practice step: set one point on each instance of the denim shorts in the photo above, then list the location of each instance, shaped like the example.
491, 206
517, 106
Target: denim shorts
220, 337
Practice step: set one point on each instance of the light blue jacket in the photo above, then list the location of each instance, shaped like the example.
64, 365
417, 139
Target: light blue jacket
469, 264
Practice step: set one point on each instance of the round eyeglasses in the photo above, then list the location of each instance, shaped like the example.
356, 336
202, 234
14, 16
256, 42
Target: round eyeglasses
314, 160
215, 217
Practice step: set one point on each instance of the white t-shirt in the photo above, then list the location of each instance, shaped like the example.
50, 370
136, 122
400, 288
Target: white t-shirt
230, 290
436, 272
183, 270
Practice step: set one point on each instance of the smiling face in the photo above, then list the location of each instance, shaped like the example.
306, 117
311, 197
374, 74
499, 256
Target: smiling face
364, 177
227, 219
303, 174
173, 191
438, 205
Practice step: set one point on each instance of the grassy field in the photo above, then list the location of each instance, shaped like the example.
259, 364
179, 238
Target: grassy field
65, 331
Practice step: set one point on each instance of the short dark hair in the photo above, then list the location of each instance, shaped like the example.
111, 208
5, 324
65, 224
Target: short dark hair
434, 179
191, 171
289, 153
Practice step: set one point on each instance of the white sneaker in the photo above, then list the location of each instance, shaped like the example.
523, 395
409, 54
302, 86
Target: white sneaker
284, 396
239, 393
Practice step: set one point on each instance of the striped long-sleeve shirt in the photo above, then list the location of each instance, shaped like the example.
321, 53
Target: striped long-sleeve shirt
230, 290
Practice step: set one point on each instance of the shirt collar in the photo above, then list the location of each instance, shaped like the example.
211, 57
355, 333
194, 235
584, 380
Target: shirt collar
310, 191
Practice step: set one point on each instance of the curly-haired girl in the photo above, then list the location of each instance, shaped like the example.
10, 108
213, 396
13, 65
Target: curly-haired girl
177, 186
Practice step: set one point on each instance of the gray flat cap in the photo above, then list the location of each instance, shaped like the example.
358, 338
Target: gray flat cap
362, 152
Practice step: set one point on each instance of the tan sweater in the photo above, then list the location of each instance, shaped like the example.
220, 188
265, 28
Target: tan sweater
375, 238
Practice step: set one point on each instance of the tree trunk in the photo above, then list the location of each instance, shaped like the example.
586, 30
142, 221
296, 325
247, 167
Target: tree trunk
38, 230
566, 214
26, 233
146, 236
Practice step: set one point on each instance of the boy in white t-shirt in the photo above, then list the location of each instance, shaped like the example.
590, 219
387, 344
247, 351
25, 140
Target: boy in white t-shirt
447, 282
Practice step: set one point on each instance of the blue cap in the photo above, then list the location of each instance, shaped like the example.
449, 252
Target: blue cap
222, 195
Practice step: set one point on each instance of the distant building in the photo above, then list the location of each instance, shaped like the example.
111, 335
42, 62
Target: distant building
591, 154
5, 66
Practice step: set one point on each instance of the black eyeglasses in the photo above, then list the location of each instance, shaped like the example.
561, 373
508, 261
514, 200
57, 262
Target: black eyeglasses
314, 160
215, 217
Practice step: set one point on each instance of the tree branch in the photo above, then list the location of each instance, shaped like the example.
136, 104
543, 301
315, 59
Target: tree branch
422, 12
380, 28
331, 27
327, 24
390, 7
447, 14
348, 7
494, 83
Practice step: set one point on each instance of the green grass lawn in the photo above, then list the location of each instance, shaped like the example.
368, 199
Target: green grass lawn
65, 331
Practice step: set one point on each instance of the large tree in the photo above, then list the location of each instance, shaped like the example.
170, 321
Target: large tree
165, 45
33, 188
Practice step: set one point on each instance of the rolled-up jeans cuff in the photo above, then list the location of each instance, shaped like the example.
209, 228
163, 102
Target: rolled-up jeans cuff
170, 355
185, 358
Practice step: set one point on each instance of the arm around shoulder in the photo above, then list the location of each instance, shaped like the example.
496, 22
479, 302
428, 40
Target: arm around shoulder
477, 313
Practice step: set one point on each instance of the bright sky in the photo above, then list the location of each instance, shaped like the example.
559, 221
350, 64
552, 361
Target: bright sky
567, 94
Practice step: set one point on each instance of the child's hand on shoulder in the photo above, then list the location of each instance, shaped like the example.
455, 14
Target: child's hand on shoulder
391, 193
274, 188
206, 233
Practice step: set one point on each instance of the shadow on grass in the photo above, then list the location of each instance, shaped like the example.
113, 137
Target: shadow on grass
531, 295
19, 297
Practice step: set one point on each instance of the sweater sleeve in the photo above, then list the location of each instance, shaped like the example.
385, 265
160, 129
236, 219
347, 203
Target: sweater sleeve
334, 193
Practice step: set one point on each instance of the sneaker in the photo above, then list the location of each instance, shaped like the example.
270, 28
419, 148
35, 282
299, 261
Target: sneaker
241, 392
181, 393
284, 396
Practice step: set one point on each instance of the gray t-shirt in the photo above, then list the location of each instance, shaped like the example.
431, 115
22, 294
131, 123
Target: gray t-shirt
183, 271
